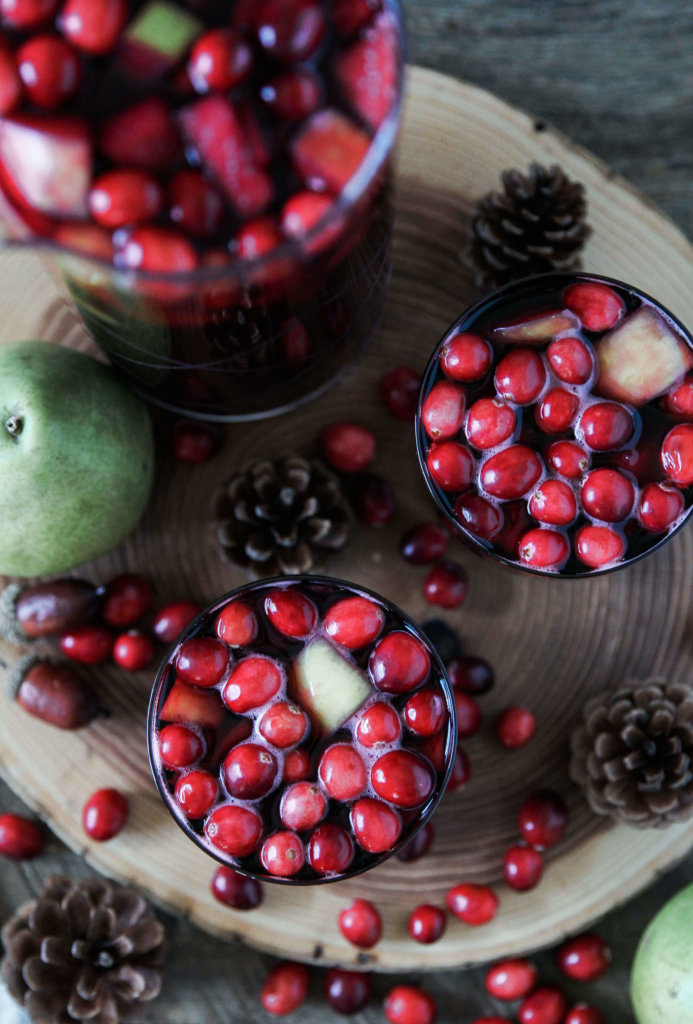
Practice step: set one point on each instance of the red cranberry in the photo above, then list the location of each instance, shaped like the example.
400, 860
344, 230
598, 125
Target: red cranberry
511, 472
330, 850
90, 645
451, 466
285, 988
360, 924
425, 713
660, 506
133, 650
468, 715
126, 599
446, 585
25, 14
434, 749
492, 1020
283, 725
50, 70
290, 612
677, 455
424, 543
598, 546
515, 727
234, 829
172, 619
378, 724
585, 958
347, 992
289, 29
568, 459
142, 135
282, 854
348, 447
554, 503
545, 1005
104, 814
544, 549
471, 675
374, 500
584, 1014
606, 426
570, 360
342, 772
543, 819
490, 422
523, 867
196, 792
598, 307
511, 979
236, 624
194, 204
443, 410
461, 772
157, 251
402, 778
253, 682
201, 660
556, 411
293, 95
376, 826
10, 82
249, 771
348, 16
607, 495
418, 846
20, 838
122, 197
406, 1004
219, 60
466, 358
94, 28
399, 392
478, 516
399, 663
302, 211
258, 238
427, 923
195, 443
679, 402
236, 890
302, 806
473, 904
520, 376
179, 746
296, 766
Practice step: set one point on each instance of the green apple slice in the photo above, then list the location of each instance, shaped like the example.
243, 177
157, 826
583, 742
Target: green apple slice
538, 328
328, 686
158, 38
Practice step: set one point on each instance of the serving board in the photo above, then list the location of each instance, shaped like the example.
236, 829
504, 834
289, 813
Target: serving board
552, 642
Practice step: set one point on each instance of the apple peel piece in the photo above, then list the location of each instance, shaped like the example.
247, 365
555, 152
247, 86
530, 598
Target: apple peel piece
538, 328
328, 686
48, 162
187, 703
641, 358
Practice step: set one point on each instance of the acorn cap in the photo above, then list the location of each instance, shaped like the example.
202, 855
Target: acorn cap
9, 627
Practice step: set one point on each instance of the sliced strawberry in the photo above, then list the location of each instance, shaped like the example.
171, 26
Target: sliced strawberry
47, 163
143, 136
328, 150
189, 704
213, 127
367, 72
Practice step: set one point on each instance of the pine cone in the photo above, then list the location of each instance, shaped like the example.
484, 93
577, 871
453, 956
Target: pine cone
633, 753
279, 516
83, 951
534, 226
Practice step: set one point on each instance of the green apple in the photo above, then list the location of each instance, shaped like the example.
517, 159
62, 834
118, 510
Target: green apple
327, 686
76, 458
662, 974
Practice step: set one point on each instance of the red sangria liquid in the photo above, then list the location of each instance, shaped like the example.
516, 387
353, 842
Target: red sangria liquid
555, 425
215, 178
302, 730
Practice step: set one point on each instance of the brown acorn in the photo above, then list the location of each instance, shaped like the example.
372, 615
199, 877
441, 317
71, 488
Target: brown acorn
46, 609
53, 692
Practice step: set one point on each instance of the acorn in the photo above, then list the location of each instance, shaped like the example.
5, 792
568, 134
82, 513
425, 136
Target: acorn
53, 692
47, 609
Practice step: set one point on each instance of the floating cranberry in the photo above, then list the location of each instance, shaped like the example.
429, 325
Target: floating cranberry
406, 1004
20, 838
302, 806
293, 95
236, 624
122, 197
520, 376
598, 307
399, 392
179, 746
490, 422
282, 854
290, 29
234, 829
302, 211
568, 459
479, 516
172, 619
10, 82
330, 849
425, 713
291, 613
543, 819
194, 204
376, 826
607, 495
446, 585
570, 360
427, 923
253, 682
374, 500
554, 503
195, 443
347, 992
399, 663
92, 27
378, 724
492, 1020
466, 358
660, 506
283, 725
606, 426
24, 14
585, 958
158, 251
556, 411
50, 70
202, 660
511, 472
443, 410
451, 465
285, 988
127, 598
474, 904
545, 1005
90, 645
257, 238
219, 60
424, 543
461, 772
599, 546
196, 792
515, 727
511, 979
236, 890
679, 402
642, 461
348, 447
418, 846
348, 16
296, 766
677, 455
361, 924
354, 622
142, 135
523, 867
249, 771
104, 814
468, 715
544, 549
133, 651
402, 778
581, 1013
342, 772
471, 675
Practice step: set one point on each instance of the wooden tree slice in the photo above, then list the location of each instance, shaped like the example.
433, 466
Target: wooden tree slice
552, 642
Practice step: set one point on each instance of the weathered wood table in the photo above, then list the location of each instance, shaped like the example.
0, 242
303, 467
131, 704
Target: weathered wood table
616, 77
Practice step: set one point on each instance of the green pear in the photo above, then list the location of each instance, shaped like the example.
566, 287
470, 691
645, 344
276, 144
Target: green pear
662, 975
76, 458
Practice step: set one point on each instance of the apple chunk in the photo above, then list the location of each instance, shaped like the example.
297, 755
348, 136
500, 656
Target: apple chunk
327, 686
48, 163
641, 358
538, 328
190, 704
158, 38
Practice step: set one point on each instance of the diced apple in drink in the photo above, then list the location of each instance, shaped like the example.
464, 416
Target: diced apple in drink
641, 358
189, 704
538, 328
328, 686
328, 150
158, 38
47, 163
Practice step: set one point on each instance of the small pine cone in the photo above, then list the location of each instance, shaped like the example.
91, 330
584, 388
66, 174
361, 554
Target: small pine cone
633, 753
535, 225
83, 951
279, 516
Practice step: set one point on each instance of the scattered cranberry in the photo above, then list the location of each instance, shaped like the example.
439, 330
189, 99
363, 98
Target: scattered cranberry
511, 472
545, 1005
515, 727
399, 391
347, 992
520, 376
126, 599
376, 826
201, 660
418, 846
660, 506
94, 28
172, 619
374, 500
471, 675
544, 549
348, 447
607, 495
133, 651
195, 443
677, 455
282, 854
290, 612
554, 503
20, 838
599, 546
511, 979
543, 819
427, 923
399, 663
219, 60
568, 459
236, 624
490, 422
360, 924
90, 645
446, 585
461, 772
285, 988
424, 543
523, 867
570, 360
236, 890
584, 958
196, 792
330, 850
378, 724
473, 904
450, 465
556, 411
105, 814
466, 358
50, 70
584, 1014
443, 410
597, 305
606, 426
468, 715
406, 1004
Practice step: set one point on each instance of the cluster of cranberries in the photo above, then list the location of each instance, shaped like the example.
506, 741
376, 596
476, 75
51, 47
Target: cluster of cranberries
553, 425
